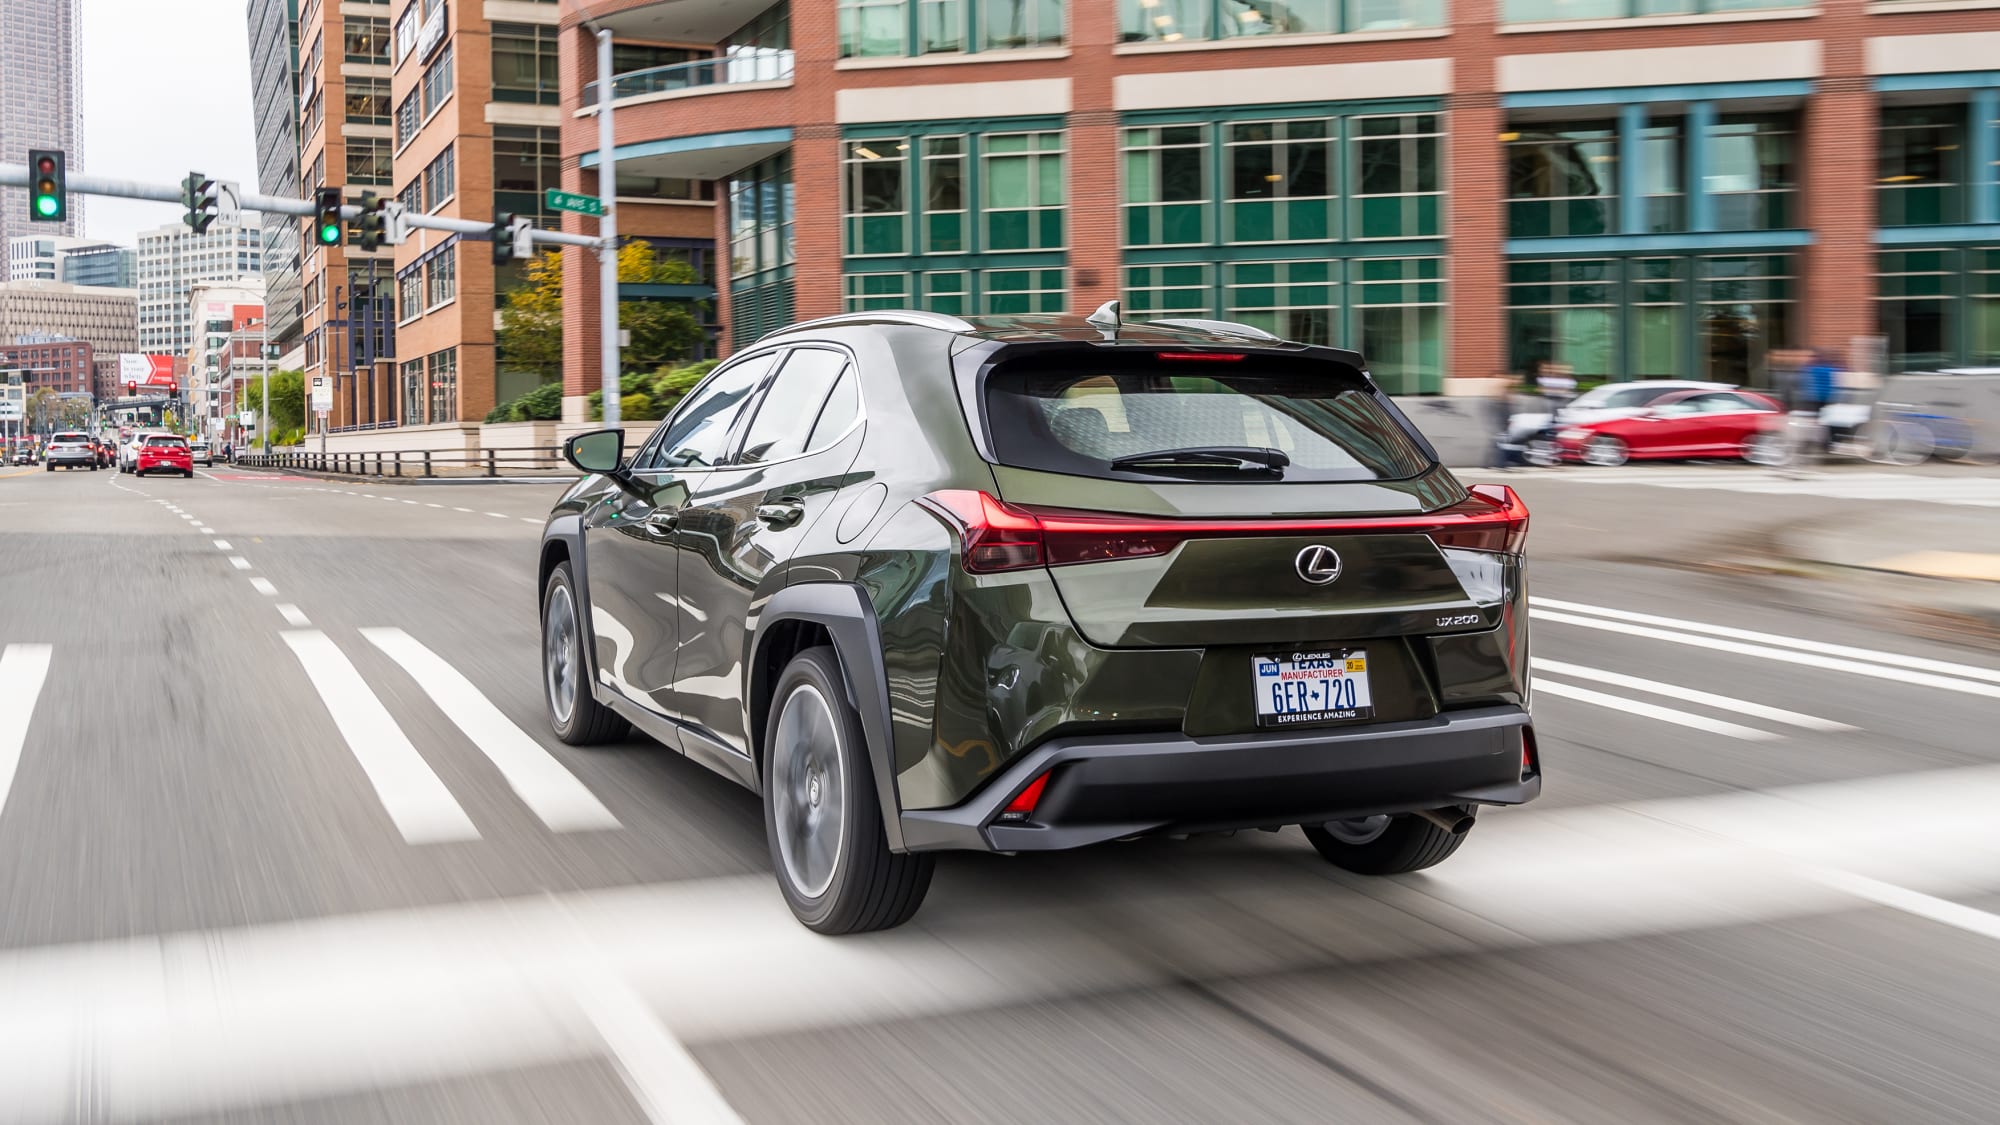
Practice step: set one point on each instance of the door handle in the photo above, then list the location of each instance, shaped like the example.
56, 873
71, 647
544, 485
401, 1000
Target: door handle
784, 513
662, 523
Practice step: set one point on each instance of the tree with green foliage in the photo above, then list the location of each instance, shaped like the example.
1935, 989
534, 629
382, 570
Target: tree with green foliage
531, 324
288, 399
663, 332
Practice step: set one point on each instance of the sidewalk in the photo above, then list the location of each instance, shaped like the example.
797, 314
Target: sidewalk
1940, 567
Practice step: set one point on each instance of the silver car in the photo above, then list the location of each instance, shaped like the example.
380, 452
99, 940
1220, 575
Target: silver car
71, 451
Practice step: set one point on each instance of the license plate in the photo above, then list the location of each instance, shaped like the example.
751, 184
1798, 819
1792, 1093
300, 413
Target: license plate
1311, 687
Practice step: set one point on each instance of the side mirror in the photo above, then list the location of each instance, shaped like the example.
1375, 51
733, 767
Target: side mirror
599, 451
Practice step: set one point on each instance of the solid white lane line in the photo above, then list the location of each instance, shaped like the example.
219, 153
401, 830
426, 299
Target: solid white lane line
659, 1072
263, 586
1806, 659
1913, 902
223, 545
1652, 711
23, 670
1943, 667
239, 562
293, 615
556, 796
423, 809
1687, 695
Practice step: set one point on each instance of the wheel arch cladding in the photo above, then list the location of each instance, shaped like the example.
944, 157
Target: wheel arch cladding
563, 542
839, 614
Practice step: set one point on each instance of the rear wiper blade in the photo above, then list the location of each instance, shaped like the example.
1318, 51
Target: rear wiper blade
1208, 457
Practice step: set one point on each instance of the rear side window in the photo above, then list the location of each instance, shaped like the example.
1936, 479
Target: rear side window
1078, 419
784, 423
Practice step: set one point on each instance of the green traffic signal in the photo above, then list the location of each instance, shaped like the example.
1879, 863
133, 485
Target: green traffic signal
329, 234
328, 227
47, 205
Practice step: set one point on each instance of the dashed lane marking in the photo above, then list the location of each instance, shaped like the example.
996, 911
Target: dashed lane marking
239, 562
263, 586
223, 545
293, 616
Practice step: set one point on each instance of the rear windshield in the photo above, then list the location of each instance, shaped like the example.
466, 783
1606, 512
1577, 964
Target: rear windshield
69, 439
169, 441
1079, 418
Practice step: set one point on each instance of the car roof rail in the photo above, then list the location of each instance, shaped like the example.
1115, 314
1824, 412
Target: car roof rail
1225, 327
915, 317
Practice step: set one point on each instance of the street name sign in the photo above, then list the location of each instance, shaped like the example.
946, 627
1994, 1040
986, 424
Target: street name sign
571, 201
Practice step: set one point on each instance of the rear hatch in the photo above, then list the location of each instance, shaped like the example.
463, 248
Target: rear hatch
1212, 497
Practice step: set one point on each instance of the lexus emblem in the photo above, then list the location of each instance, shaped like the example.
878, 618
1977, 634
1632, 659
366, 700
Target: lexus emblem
1318, 564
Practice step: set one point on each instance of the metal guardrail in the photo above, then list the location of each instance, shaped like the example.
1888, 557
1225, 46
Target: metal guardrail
412, 463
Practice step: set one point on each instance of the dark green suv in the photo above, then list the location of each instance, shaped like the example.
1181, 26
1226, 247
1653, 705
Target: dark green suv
1025, 583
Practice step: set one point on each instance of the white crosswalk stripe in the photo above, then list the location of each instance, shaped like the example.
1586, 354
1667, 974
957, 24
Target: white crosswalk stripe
23, 670
555, 795
1966, 488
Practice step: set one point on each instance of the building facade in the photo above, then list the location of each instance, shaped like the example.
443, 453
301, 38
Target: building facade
173, 260
58, 365
101, 264
1632, 187
274, 97
39, 106
106, 319
477, 129
345, 129
229, 336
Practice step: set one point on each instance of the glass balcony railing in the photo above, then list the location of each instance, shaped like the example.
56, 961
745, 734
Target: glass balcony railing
755, 64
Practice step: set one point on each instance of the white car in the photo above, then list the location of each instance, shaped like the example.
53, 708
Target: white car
1605, 403
128, 453
203, 452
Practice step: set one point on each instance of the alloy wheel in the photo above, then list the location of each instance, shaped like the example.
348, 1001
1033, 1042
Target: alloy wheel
809, 794
559, 662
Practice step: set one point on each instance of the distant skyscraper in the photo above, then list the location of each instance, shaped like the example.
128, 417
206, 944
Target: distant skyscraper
173, 259
274, 83
39, 107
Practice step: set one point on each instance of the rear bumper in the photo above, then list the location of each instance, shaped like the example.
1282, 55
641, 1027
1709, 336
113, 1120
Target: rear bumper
72, 458
1125, 785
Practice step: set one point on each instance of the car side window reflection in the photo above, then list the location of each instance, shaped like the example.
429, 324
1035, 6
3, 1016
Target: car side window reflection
784, 421
697, 435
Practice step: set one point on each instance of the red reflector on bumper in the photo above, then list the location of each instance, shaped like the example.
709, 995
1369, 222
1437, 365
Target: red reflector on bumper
1531, 762
1024, 803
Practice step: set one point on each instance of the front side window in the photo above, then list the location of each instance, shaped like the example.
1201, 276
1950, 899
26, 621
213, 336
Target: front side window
697, 436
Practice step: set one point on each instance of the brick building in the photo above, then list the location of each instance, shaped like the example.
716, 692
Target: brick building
61, 366
1632, 187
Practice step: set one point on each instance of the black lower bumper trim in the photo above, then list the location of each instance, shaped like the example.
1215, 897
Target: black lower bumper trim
1125, 785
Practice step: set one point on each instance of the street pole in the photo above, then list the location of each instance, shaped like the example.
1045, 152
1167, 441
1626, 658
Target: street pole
607, 228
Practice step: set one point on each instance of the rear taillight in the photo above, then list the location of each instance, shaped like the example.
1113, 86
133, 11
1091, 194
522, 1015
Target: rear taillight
998, 536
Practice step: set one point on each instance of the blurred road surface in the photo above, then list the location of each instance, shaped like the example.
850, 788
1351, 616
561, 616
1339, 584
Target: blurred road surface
283, 837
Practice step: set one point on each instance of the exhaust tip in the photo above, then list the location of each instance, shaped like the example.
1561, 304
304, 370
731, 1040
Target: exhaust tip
1451, 818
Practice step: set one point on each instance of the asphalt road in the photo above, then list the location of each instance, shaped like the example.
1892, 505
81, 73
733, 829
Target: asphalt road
283, 838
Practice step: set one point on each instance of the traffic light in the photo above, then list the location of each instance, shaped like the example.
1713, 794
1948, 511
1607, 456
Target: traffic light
503, 238
328, 229
203, 199
513, 237
48, 199
370, 222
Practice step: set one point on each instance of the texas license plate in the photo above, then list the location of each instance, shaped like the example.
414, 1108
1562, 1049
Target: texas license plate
1312, 687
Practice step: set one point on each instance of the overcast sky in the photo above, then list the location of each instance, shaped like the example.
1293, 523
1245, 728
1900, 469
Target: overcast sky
166, 91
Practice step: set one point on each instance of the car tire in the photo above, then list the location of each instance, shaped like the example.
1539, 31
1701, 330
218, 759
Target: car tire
821, 815
189, 474
1606, 452
1394, 846
575, 715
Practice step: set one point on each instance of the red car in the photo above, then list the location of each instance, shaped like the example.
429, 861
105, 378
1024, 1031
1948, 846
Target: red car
164, 453
1680, 425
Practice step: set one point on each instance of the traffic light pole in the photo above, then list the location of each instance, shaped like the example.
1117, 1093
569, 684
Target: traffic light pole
18, 175
607, 232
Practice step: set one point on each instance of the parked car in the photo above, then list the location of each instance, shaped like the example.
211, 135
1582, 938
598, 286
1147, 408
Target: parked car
1603, 403
70, 450
166, 453
1119, 580
1684, 424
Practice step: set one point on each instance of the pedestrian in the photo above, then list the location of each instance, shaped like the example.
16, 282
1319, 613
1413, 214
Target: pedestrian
1500, 407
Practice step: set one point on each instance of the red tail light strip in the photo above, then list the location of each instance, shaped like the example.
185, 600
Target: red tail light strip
1024, 804
998, 536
